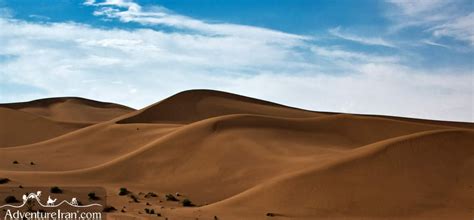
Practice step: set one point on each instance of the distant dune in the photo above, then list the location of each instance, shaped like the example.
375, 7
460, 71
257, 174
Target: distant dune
71, 109
237, 157
30, 122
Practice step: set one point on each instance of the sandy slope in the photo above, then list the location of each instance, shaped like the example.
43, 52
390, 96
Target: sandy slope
47, 118
239, 158
408, 176
15, 124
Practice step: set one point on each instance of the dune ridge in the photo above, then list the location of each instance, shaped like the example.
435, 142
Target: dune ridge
195, 105
239, 158
71, 109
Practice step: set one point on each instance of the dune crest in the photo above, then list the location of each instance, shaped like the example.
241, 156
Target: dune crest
195, 105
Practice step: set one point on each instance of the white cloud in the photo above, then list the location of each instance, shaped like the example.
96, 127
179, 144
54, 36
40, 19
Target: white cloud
162, 16
89, 2
441, 18
363, 40
461, 28
58, 57
357, 57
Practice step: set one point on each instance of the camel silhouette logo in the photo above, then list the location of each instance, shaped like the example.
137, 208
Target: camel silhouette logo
50, 203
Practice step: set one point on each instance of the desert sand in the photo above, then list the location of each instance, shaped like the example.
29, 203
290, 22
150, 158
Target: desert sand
238, 158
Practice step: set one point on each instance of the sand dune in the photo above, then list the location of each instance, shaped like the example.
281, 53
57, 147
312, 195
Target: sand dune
194, 105
71, 109
407, 176
240, 158
47, 118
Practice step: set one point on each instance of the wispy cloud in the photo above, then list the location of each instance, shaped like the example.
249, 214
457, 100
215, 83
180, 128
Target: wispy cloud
128, 11
360, 39
357, 57
433, 43
416, 7
39, 17
461, 28
441, 18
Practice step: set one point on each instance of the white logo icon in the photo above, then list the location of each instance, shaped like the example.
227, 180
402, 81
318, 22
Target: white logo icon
74, 202
50, 201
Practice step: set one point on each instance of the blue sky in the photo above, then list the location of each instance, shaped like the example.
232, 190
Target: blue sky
395, 57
